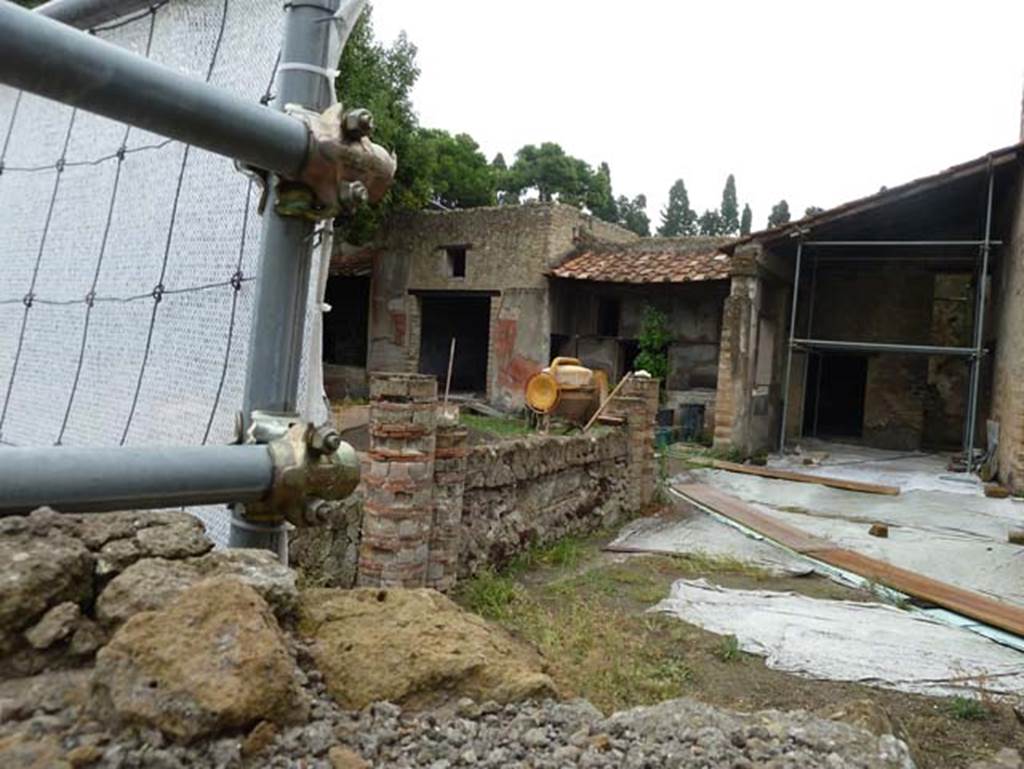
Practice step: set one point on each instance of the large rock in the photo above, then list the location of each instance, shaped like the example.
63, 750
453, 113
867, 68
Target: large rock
152, 583
414, 647
214, 659
39, 572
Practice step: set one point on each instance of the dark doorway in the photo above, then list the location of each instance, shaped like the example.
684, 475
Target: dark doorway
345, 326
467, 320
834, 402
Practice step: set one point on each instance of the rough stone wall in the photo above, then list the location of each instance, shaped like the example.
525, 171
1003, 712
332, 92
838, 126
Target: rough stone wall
1008, 384
538, 489
734, 406
509, 250
880, 302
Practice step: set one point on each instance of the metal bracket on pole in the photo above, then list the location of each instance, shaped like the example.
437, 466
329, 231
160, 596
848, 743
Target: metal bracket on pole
311, 465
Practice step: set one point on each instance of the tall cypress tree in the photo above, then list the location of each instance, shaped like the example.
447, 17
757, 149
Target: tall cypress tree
677, 218
746, 220
730, 212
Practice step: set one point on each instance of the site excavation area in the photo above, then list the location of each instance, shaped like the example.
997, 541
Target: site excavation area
333, 439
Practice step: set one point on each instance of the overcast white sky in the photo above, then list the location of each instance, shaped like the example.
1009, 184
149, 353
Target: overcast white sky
816, 101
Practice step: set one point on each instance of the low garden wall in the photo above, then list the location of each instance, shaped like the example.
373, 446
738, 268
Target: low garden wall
430, 510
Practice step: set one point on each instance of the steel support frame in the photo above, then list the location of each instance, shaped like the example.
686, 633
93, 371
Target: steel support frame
46, 57
975, 353
62, 63
279, 315
91, 479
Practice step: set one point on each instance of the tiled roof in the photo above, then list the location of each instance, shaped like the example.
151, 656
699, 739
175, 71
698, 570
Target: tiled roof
651, 260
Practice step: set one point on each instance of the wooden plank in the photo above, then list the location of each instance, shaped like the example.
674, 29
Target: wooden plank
1005, 616
823, 480
763, 523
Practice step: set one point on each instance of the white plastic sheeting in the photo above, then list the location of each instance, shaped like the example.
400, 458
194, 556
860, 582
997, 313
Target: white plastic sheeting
946, 535
867, 643
165, 242
699, 534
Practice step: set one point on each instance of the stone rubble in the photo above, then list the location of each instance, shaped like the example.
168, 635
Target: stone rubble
217, 660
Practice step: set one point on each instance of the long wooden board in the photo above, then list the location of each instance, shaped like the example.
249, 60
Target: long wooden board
823, 480
1000, 614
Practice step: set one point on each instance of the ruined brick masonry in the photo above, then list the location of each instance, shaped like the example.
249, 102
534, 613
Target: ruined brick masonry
434, 510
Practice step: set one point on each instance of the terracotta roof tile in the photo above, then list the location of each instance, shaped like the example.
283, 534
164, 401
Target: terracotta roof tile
652, 260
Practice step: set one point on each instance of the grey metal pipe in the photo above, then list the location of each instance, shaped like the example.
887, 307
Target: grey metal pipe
979, 330
118, 478
895, 243
279, 315
789, 346
48, 58
909, 349
89, 13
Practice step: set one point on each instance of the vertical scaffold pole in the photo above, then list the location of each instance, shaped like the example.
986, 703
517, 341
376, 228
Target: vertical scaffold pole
275, 349
979, 330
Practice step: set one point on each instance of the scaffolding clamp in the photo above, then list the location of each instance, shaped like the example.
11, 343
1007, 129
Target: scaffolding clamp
343, 166
312, 466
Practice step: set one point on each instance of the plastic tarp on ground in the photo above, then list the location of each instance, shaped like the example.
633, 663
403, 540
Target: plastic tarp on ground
952, 537
695, 533
127, 261
867, 643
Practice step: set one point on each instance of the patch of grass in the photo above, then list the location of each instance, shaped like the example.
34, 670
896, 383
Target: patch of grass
967, 709
489, 594
564, 553
729, 649
499, 427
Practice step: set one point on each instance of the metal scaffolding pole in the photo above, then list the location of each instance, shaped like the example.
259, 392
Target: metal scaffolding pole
279, 316
908, 349
896, 243
75, 480
789, 346
50, 59
979, 330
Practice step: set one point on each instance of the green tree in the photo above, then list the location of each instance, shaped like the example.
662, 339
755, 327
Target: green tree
779, 214
710, 223
729, 211
653, 343
746, 220
380, 78
552, 173
677, 218
812, 210
458, 173
633, 214
600, 200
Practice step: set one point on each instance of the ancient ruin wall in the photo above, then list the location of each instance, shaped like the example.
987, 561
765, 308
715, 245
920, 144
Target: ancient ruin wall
539, 489
1008, 385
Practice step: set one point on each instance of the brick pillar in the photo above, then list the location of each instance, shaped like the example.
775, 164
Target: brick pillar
449, 483
637, 401
399, 505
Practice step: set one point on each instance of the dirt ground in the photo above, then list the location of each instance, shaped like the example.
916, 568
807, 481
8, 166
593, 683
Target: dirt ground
585, 609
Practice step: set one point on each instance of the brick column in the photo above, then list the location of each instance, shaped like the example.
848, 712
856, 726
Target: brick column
399, 506
449, 483
637, 401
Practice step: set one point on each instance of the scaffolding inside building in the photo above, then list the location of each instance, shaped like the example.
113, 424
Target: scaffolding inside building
818, 251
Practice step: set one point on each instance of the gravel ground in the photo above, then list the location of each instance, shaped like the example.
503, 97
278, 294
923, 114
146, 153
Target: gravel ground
542, 735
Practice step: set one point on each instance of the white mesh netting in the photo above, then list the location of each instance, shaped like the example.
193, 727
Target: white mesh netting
128, 261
